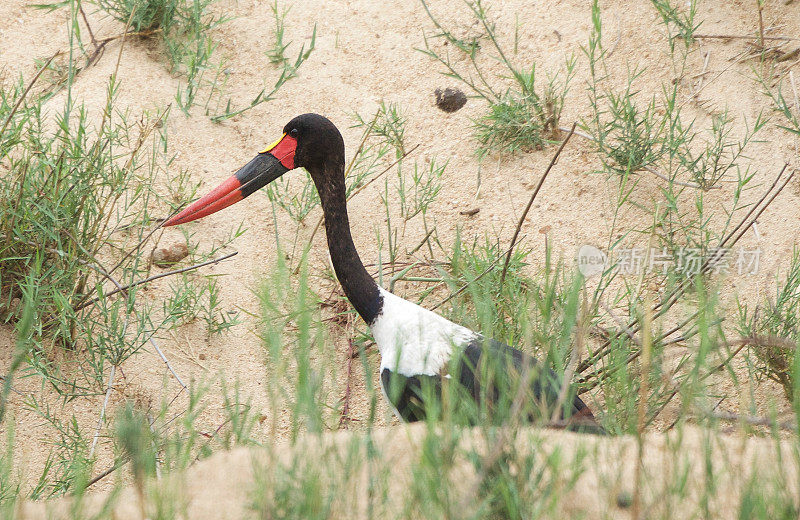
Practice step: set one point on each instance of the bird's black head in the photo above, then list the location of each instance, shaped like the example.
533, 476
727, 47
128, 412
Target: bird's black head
319, 144
309, 141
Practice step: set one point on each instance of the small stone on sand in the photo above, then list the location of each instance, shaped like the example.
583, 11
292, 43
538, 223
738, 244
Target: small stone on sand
450, 99
166, 256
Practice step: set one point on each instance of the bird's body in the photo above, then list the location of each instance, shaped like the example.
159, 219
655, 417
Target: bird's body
420, 350
414, 341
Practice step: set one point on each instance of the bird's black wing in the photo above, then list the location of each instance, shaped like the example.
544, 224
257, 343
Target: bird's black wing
411, 396
489, 374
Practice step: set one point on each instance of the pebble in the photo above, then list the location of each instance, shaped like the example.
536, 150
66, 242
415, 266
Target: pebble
166, 256
450, 99
624, 500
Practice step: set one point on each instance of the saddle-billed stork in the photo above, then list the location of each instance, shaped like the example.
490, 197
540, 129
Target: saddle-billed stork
419, 349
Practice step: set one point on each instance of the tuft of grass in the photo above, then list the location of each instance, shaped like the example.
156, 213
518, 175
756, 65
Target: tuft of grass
520, 123
777, 322
184, 30
298, 378
197, 297
289, 71
277, 53
631, 136
388, 126
424, 188
679, 21
788, 108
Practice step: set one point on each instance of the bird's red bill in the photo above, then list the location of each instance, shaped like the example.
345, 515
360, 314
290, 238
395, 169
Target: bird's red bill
227, 193
263, 169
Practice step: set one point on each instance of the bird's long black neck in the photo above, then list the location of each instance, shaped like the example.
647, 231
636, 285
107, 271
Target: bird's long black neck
358, 285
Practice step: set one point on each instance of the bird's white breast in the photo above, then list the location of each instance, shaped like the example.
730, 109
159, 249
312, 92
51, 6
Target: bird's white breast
413, 340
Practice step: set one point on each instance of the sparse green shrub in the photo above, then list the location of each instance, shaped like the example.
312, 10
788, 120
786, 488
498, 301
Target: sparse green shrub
775, 329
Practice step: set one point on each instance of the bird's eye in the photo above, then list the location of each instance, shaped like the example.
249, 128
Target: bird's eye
294, 132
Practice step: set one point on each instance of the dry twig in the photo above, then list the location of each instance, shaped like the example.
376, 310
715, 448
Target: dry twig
155, 277
530, 203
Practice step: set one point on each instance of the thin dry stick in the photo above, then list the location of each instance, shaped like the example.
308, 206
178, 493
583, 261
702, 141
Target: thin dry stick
464, 287
701, 75
742, 37
24, 95
424, 241
676, 181
644, 390
760, 23
619, 37
88, 27
530, 202
155, 277
796, 104
121, 462
754, 420
100, 45
166, 362
344, 418
11, 387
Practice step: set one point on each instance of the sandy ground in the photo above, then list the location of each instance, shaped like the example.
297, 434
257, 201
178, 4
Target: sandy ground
366, 53
225, 485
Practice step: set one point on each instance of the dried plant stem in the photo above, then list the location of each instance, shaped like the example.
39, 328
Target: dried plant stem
644, 391
344, 418
88, 27
755, 421
118, 464
166, 362
743, 37
24, 95
524, 215
760, 9
155, 277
